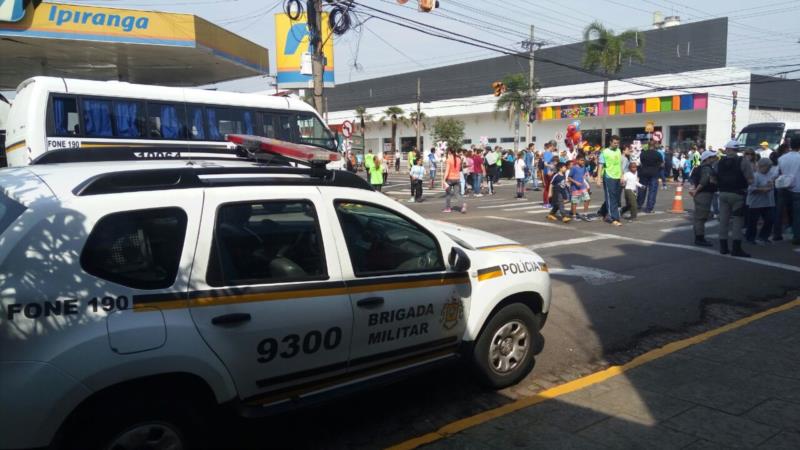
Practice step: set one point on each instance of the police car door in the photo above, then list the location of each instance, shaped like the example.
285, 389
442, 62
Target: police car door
407, 306
266, 291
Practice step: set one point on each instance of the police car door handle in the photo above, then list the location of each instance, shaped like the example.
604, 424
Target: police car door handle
231, 319
370, 302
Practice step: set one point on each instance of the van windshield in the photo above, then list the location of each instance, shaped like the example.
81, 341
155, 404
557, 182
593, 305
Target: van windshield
9, 211
753, 136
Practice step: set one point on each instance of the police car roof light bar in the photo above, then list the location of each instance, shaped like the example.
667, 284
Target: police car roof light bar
299, 153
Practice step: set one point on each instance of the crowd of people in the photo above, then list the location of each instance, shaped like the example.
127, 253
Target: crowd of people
743, 188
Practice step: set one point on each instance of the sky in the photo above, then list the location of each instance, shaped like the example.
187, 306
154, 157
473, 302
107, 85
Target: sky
763, 35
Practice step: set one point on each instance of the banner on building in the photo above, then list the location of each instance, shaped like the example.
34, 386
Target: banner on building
291, 43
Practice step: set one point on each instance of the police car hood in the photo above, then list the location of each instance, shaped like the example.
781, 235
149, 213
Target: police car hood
476, 239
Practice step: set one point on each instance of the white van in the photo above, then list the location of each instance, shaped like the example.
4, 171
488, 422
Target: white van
774, 133
57, 113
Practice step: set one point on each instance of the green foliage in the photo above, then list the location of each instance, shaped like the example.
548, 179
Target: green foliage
361, 113
606, 51
449, 130
517, 98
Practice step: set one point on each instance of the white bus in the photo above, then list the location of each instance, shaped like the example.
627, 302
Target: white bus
774, 133
58, 113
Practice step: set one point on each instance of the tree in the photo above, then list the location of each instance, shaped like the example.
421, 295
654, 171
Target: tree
363, 117
394, 114
605, 50
412, 117
517, 100
449, 130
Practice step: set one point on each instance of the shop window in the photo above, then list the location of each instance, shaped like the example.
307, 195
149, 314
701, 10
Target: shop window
408, 143
492, 140
467, 141
506, 140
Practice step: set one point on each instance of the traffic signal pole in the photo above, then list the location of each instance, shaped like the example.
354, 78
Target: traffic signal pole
419, 99
529, 128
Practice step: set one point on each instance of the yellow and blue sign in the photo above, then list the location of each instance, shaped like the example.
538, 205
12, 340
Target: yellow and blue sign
291, 42
127, 26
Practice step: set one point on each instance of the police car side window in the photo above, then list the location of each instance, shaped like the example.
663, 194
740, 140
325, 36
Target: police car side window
139, 249
381, 242
266, 242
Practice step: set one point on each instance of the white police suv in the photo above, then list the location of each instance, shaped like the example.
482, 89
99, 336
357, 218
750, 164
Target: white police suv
136, 295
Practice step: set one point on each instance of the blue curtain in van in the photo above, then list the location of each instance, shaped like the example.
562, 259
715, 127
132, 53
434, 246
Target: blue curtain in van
97, 118
60, 117
213, 126
125, 118
170, 125
248, 122
197, 124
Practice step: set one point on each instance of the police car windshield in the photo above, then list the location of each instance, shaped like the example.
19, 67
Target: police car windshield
313, 132
9, 211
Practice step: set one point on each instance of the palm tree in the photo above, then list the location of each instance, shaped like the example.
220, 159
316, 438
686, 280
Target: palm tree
394, 114
412, 118
606, 50
363, 117
517, 99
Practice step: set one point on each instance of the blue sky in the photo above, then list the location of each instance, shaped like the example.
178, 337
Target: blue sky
762, 35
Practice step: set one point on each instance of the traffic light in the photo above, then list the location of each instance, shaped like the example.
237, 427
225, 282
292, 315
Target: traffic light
499, 88
428, 5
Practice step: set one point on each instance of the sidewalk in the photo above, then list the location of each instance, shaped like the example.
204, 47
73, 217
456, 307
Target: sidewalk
735, 387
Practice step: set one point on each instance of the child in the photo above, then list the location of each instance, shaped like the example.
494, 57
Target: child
761, 202
559, 194
578, 180
519, 174
632, 185
376, 174
417, 174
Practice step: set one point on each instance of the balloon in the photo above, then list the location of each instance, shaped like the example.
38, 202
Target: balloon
576, 138
577, 124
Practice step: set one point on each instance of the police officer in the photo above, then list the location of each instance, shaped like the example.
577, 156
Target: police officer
734, 175
705, 185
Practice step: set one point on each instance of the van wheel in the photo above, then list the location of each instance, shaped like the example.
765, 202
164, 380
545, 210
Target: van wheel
139, 425
505, 351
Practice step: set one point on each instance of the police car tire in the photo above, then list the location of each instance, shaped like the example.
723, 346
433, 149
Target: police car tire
480, 352
103, 425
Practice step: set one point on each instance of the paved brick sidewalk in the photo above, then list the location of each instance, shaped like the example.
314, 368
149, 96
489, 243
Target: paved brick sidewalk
739, 389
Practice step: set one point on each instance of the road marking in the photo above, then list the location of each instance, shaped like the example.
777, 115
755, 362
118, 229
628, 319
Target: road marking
583, 382
522, 208
709, 224
576, 241
668, 220
692, 248
592, 275
504, 205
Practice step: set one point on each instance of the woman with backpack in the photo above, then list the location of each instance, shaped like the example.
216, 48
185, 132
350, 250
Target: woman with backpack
451, 180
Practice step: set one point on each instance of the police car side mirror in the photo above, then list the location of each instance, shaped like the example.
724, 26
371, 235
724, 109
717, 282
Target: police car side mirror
459, 260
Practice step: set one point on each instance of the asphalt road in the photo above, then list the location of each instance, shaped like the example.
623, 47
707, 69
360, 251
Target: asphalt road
617, 292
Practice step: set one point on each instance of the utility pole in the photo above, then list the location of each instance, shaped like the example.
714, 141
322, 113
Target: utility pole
419, 99
314, 19
529, 128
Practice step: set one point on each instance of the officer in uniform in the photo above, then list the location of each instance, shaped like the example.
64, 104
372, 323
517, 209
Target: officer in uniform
705, 185
734, 175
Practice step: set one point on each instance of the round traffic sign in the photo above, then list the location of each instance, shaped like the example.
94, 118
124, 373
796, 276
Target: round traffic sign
658, 136
559, 136
347, 129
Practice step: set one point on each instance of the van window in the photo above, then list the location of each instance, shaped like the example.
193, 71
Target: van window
197, 129
166, 121
128, 118
222, 121
97, 118
65, 116
313, 132
276, 126
9, 211
266, 242
139, 249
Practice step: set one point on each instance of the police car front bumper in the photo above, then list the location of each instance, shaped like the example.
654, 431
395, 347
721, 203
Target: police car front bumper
45, 395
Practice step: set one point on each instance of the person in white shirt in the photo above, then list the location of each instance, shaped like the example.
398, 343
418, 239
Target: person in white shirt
765, 151
519, 174
789, 165
632, 185
417, 173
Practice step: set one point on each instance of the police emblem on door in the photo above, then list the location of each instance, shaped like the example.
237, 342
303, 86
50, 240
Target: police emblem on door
452, 313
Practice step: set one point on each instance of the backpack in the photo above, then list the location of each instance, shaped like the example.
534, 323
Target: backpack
695, 176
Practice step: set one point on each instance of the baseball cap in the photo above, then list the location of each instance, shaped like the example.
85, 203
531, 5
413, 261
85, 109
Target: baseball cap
764, 144
733, 144
708, 154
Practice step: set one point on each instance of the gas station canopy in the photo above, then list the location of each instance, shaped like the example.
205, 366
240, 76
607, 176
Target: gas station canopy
78, 41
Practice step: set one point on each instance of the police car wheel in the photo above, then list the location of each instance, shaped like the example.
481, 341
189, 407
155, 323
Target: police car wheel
504, 352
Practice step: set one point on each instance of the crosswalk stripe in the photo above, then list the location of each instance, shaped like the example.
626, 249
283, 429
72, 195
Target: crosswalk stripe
576, 241
709, 224
522, 208
505, 205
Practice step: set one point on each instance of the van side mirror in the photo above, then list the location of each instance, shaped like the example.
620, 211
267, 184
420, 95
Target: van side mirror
459, 260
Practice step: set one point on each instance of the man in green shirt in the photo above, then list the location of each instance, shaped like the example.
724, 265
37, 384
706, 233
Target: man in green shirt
610, 172
369, 160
